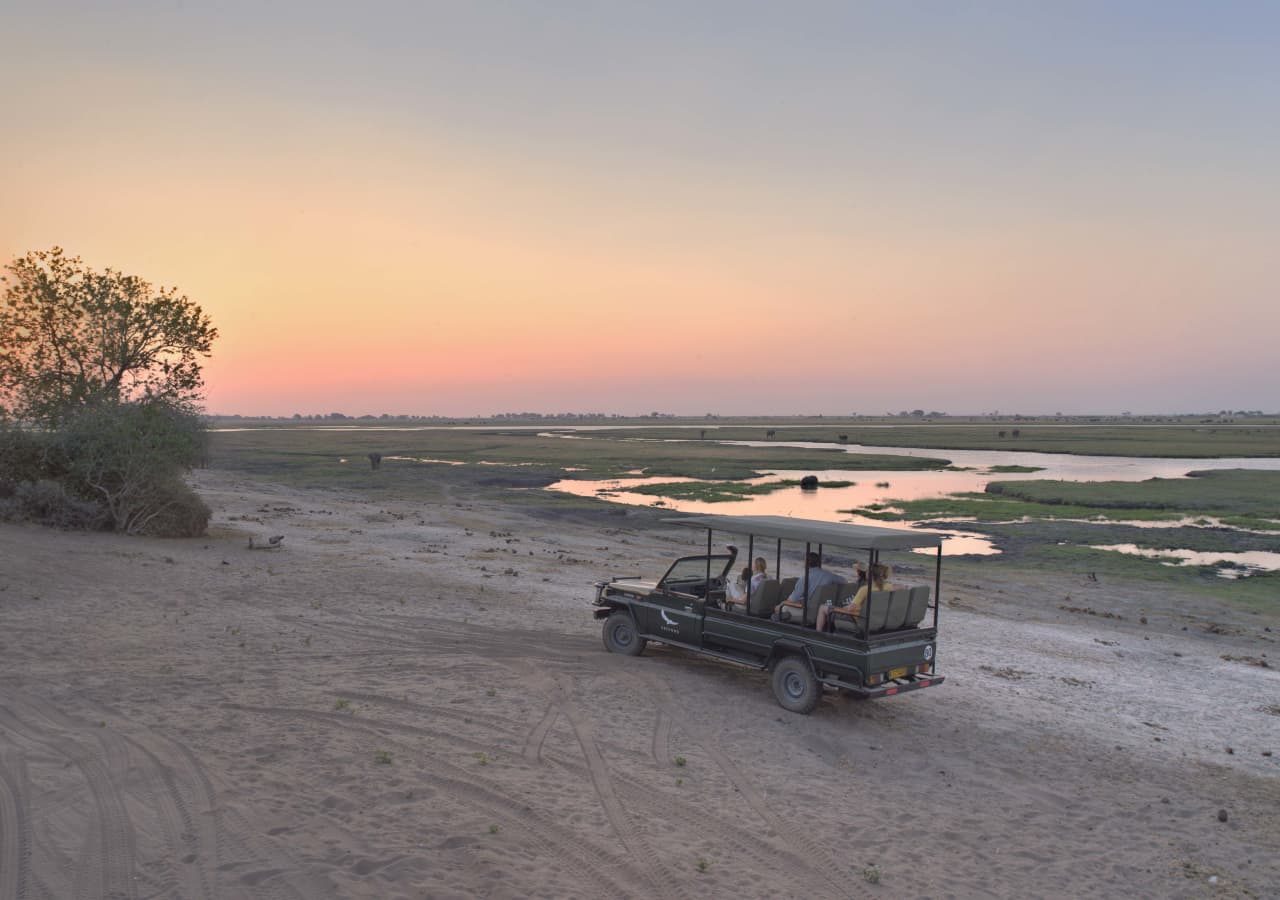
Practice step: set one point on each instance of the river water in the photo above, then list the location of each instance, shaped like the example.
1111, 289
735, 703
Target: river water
881, 487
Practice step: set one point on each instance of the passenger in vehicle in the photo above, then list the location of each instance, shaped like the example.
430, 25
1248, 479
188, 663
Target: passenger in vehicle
736, 590
754, 575
761, 573
859, 574
817, 578
879, 581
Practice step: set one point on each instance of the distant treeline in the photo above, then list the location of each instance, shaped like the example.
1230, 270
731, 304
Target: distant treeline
1221, 416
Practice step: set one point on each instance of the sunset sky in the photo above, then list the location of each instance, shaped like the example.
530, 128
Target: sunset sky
468, 208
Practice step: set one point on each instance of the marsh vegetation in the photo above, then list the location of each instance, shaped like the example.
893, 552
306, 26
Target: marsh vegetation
1032, 522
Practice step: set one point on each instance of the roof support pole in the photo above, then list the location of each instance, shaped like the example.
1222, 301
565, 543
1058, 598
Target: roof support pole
805, 600
751, 561
866, 604
706, 593
937, 587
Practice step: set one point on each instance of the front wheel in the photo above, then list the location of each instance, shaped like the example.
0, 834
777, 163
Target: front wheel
620, 635
795, 686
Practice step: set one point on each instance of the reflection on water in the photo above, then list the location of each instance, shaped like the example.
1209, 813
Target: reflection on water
427, 459
822, 504
881, 487
1058, 466
1238, 564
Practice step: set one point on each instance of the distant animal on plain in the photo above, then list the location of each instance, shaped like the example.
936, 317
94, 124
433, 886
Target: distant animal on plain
270, 543
375, 461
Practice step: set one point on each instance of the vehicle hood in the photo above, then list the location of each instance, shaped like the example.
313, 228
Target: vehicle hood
635, 586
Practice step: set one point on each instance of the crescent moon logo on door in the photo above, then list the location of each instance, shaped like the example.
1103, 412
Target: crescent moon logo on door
668, 620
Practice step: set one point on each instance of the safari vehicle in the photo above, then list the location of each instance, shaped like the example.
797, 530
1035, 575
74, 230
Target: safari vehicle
890, 648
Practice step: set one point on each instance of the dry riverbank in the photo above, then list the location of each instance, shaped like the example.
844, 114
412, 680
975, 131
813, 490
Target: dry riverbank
411, 699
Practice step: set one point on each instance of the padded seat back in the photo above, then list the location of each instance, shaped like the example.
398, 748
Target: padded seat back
818, 600
846, 592
918, 606
764, 598
878, 604
899, 600
787, 586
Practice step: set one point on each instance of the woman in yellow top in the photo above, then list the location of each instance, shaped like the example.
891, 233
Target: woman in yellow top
879, 578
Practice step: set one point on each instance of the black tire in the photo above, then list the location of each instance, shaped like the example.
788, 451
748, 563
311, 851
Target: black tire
794, 685
620, 635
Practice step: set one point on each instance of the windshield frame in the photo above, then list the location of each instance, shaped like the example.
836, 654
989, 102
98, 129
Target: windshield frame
697, 570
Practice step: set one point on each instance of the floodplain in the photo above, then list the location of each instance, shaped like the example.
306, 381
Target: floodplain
406, 695
1095, 498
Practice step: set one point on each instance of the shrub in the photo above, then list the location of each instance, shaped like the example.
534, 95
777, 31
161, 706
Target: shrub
49, 503
179, 511
108, 464
24, 456
129, 457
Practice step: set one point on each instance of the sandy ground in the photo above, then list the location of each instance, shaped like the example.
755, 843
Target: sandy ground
410, 701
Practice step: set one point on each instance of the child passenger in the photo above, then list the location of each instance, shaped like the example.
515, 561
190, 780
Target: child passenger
736, 591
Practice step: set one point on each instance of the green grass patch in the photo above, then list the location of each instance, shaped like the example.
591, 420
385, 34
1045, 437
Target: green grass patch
1185, 437
1240, 498
722, 492
986, 508
1240, 492
309, 458
1010, 470
1258, 592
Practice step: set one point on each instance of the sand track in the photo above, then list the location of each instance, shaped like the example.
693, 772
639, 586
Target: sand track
360, 719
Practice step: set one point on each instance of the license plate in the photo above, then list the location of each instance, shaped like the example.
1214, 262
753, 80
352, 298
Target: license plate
900, 672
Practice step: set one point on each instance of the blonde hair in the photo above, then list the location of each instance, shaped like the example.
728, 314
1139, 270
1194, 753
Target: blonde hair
761, 565
880, 574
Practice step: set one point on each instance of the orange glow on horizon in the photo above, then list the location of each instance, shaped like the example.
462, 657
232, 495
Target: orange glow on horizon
391, 267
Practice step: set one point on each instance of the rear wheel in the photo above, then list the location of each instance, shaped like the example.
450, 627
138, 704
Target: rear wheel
795, 686
621, 636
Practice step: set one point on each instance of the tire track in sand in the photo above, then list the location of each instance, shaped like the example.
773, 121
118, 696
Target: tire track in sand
661, 739
190, 874
108, 863
559, 688
631, 840
222, 834
15, 826
602, 782
695, 820
190, 849
587, 862
186, 863
818, 854
673, 811
537, 736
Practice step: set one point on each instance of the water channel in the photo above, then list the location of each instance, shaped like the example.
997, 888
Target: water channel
971, 471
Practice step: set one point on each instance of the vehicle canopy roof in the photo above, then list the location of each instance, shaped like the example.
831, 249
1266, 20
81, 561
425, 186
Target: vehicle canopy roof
836, 534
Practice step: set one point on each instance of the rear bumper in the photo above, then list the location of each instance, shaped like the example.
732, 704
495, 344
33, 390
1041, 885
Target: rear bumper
901, 686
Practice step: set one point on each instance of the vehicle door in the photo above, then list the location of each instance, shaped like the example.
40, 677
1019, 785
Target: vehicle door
676, 609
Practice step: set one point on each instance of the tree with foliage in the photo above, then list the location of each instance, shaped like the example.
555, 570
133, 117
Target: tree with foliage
101, 372
71, 336
129, 458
